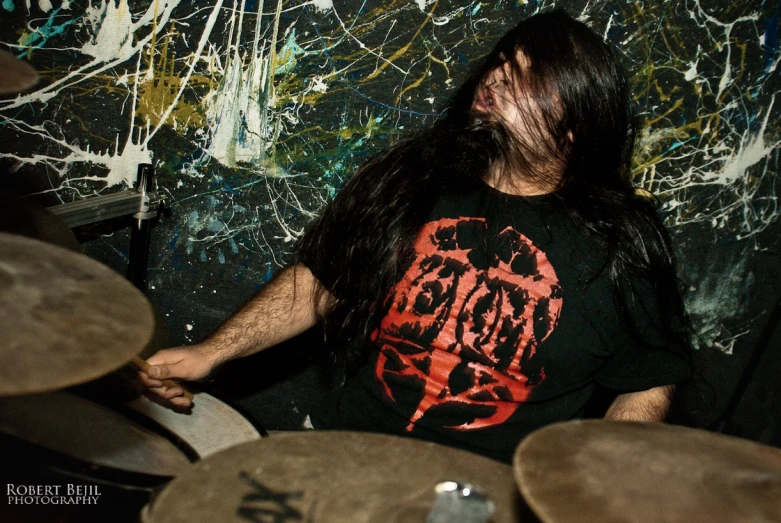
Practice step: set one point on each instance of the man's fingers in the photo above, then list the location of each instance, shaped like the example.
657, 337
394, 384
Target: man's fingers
181, 401
159, 372
149, 382
167, 393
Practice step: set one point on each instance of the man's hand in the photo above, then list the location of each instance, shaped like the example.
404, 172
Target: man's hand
184, 363
647, 405
283, 308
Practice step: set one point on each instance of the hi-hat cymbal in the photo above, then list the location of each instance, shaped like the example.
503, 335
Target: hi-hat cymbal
329, 477
65, 319
15, 75
585, 471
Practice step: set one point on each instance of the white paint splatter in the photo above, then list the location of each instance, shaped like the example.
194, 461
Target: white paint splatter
188, 327
323, 5
45, 5
719, 298
318, 84
607, 27
113, 32
751, 150
691, 73
421, 4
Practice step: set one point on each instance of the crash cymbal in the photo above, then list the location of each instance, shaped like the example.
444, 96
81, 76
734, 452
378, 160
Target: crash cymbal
585, 471
329, 477
65, 318
15, 75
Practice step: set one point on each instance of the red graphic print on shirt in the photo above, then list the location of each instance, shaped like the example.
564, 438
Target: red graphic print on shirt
465, 323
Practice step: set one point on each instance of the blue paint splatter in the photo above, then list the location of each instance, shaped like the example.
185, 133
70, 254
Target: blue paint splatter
204, 258
9, 6
234, 247
221, 256
172, 243
215, 226
189, 247
41, 35
289, 52
462, 58
192, 218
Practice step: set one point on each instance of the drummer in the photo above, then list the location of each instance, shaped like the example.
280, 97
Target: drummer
487, 275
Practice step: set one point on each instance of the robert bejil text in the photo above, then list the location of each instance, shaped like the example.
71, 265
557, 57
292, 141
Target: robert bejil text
52, 494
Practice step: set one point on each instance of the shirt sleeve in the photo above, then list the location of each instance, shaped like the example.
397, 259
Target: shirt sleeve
322, 266
640, 358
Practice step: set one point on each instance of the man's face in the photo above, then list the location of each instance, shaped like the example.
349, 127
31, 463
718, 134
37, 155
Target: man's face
502, 96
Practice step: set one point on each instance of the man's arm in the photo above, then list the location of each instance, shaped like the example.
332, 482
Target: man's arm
648, 405
281, 310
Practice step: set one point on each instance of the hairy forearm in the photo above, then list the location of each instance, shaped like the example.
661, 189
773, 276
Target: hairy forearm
648, 405
282, 309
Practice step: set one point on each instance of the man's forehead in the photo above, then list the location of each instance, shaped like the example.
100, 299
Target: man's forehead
518, 57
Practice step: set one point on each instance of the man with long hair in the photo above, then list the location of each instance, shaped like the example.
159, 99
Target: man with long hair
487, 275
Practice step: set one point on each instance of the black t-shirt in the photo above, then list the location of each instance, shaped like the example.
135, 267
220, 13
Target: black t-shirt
502, 323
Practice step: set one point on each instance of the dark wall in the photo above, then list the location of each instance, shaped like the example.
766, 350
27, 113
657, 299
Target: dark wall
255, 121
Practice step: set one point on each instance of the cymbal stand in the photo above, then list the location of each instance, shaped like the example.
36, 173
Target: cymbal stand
142, 202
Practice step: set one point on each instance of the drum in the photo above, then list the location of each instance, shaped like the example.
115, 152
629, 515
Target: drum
211, 426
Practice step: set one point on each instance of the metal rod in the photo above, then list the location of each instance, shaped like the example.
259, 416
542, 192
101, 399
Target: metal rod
138, 257
98, 208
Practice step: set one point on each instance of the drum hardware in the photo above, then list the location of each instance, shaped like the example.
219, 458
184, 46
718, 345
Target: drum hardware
140, 234
142, 203
139, 202
460, 502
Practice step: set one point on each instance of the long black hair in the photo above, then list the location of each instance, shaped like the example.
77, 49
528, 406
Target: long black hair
577, 142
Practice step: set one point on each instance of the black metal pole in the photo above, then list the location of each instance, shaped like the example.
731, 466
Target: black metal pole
138, 257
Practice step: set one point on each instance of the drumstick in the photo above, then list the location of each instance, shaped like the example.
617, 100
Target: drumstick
144, 366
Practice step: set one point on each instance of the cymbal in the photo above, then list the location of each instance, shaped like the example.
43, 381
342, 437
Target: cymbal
91, 433
65, 318
16, 75
591, 470
329, 477
25, 217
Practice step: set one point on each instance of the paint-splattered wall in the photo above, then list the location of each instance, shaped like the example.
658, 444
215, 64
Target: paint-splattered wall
255, 113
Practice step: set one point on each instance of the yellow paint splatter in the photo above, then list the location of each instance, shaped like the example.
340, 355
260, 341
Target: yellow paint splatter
158, 89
